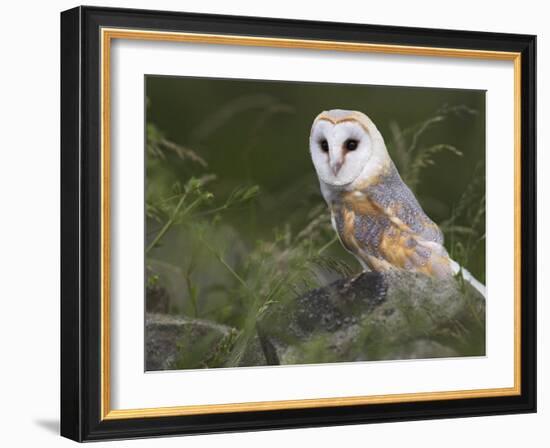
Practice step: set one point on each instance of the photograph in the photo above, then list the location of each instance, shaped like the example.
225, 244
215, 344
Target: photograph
291, 223
273, 223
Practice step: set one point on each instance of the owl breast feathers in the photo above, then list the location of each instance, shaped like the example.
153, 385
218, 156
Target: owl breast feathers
383, 225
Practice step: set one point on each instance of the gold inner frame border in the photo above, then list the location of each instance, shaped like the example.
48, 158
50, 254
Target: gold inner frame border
107, 35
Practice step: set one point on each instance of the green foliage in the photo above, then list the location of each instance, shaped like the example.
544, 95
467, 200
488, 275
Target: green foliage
157, 145
465, 228
268, 272
409, 152
275, 272
191, 350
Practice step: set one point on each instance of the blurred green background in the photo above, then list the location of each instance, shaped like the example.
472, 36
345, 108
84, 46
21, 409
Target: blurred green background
234, 155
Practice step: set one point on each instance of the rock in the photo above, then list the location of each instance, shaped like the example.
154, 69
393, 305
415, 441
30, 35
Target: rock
375, 317
328, 309
174, 342
367, 318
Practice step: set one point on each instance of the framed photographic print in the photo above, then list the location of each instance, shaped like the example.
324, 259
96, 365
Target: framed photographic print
274, 224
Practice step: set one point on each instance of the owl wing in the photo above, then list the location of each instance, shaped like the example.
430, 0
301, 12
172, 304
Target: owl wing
392, 231
394, 197
418, 247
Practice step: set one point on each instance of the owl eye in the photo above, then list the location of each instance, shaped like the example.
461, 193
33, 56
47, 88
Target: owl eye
324, 145
351, 144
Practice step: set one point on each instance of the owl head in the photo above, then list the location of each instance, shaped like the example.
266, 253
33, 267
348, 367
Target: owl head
346, 147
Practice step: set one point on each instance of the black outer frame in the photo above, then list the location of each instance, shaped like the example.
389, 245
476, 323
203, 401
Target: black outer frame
80, 224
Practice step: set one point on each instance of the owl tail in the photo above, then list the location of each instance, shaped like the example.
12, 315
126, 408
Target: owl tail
466, 275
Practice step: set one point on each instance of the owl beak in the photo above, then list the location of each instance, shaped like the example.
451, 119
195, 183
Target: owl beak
335, 166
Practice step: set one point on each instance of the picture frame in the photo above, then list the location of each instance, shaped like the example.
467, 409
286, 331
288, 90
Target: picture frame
87, 37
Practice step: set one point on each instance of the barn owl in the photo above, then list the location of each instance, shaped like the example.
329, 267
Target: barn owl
375, 215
